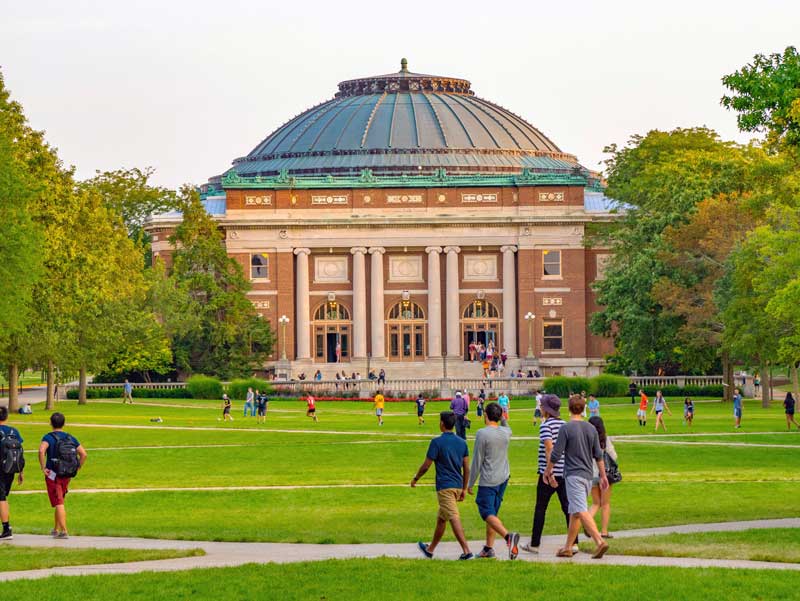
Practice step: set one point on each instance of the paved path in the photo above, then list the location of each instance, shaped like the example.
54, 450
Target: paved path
234, 554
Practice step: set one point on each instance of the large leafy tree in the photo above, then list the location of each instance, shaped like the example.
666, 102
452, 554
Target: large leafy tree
203, 302
661, 178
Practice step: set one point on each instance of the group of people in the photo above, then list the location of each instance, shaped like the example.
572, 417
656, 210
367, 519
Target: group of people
573, 460
60, 457
255, 404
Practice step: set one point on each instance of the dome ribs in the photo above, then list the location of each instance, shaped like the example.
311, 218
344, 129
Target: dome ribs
371, 117
342, 106
288, 126
460, 122
478, 105
544, 140
436, 118
349, 121
483, 125
309, 122
414, 119
391, 120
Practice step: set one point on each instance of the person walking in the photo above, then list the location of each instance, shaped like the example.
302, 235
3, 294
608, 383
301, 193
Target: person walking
579, 444
548, 434
601, 499
379, 401
490, 467
481, 402
659, 406
60, 457
311, 407
737, 408
505, 404
420, 403
250, 402
756, 383
261, 407
460, 408
788, 409
450, 455
641, 413
12, 463
226, 408
593, 406
537, 412
688, 411
632, 392
127, 392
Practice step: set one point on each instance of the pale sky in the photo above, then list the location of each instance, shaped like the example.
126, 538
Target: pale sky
185, 87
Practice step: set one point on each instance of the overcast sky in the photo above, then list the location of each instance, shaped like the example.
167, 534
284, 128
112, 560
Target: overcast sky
185, 87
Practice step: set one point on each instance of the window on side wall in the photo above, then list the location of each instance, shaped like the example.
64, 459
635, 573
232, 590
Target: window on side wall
551, 263
259, 266
553, 335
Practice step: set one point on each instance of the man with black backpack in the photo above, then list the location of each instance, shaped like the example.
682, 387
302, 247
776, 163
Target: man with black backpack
12, 462
61, 456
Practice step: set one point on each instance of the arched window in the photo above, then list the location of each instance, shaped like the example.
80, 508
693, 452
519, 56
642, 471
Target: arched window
405, 310
481, 309
331, 311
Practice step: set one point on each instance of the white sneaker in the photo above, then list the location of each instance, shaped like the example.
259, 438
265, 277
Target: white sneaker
530, 549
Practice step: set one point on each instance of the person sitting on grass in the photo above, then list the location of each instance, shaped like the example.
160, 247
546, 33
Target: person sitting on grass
490, 464
60, 456
378, 402
579, 444
311, 407
450, 454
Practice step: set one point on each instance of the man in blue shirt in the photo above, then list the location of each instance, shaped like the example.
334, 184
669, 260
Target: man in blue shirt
49, 460
127, 393
6, 480
451, 456
737, 407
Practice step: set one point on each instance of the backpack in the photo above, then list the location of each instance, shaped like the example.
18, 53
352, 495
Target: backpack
12, 459
65, 456
612, 469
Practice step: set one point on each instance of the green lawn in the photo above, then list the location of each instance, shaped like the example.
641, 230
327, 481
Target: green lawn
14, 557
774, 544
386, 579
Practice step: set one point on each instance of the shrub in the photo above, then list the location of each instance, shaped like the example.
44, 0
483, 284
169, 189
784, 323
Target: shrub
563, 386
609, 385
115, 392
204, 387
237, 389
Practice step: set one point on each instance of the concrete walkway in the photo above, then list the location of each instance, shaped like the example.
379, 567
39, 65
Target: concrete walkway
235, 554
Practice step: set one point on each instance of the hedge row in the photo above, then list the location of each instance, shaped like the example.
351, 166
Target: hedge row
609, 385
141, 393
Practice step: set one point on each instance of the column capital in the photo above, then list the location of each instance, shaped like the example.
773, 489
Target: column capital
302, 251
433, 249
377, 250
358, 249
508, 248
452, 249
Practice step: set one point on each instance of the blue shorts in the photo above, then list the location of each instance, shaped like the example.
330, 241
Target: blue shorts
489, 499
737, 413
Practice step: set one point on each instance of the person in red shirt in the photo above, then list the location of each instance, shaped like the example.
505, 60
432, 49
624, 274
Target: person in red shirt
641, 414
312, 407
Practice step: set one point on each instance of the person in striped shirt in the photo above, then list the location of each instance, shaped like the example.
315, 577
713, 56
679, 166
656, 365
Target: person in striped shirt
548, 433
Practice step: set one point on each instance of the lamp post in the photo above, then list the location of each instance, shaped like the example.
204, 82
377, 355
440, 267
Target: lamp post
529, 317
283, 320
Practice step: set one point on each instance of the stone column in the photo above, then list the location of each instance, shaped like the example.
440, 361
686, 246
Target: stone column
509, 300
359, 302
452, 304
377, 304
302, 300
434, 302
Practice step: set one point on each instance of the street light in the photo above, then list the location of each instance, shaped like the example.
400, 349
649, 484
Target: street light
283, 320
529, 317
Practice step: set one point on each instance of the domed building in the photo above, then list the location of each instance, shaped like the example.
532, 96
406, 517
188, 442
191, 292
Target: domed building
407, 221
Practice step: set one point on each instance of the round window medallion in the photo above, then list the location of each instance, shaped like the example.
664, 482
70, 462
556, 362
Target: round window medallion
442, 197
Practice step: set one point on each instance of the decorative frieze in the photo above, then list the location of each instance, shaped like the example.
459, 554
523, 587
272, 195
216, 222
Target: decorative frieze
403, 198
262, 304
330, 270
551, 197
252, 200
405, 268
480, 268
329, 200
552, 301
477, 198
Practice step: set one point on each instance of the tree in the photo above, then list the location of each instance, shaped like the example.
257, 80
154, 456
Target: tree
661, 178
766, 96
203, 303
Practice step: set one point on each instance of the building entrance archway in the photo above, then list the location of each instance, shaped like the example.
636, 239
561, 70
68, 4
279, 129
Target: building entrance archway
332, 328
480, 324
405, 328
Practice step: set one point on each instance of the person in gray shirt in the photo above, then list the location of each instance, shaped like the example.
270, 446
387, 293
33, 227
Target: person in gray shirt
579, 444
490, 463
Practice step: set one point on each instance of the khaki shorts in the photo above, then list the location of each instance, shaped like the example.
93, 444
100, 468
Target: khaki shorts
448, 503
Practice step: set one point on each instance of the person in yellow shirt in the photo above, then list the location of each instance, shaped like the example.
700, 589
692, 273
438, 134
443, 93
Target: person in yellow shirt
379, 400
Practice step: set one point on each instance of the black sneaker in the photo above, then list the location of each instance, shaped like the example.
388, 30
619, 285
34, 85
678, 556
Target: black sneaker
512, 541
465, 556
7, 535
486, 553
424, 549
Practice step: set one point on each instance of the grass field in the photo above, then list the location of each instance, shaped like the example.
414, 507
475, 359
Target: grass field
386, 579
345, 480
13, 558
770, 544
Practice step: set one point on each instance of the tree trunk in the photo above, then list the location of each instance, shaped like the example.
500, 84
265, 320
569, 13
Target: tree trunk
727, 378
50, 403
765, 384
769, 383
13, 388
82, 386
